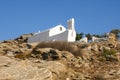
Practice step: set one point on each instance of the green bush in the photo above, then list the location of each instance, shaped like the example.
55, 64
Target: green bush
108, 54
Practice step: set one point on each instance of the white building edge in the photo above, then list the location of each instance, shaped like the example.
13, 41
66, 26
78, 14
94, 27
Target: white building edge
57, 33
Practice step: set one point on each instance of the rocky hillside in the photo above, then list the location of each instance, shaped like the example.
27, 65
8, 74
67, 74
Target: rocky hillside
59, 60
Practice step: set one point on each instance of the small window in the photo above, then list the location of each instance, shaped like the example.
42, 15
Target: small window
60, 28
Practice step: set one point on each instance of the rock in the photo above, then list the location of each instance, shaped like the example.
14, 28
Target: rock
24, 61
89, 48
2, 52
94, 48
52, 54
25, 73
15, 69
104, 47
32, 45
9, 46
4, 61
67, 55
112, 40
22, 70
85, 54
67, 78
23, 38
54, 66
10, 54
118, 56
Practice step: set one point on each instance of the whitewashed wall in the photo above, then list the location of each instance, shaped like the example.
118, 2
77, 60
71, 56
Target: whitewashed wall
67, 35
52, 34
58, 33
71, 35
43, 36
60, 37
56, 30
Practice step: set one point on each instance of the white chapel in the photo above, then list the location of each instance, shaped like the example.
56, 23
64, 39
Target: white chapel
57, 33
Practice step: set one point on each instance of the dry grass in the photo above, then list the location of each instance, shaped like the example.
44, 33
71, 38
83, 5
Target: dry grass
98, 77
62, 46
56, 45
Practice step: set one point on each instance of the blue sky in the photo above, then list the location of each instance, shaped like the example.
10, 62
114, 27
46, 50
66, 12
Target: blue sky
19, 17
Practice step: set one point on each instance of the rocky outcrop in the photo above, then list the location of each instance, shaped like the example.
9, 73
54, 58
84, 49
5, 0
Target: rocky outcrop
112, 40
51, 54
15, 69
57, 68
24, 37
62, 61
25, 73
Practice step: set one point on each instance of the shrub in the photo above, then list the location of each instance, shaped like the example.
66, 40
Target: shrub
51, 54
98, 77
108, 54
56, 45
62, 46
82, 45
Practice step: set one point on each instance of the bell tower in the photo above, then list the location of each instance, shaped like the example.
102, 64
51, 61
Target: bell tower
71, 24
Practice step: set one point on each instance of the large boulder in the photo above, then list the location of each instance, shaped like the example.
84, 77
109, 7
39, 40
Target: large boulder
17, 69
25, 73
11, 69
